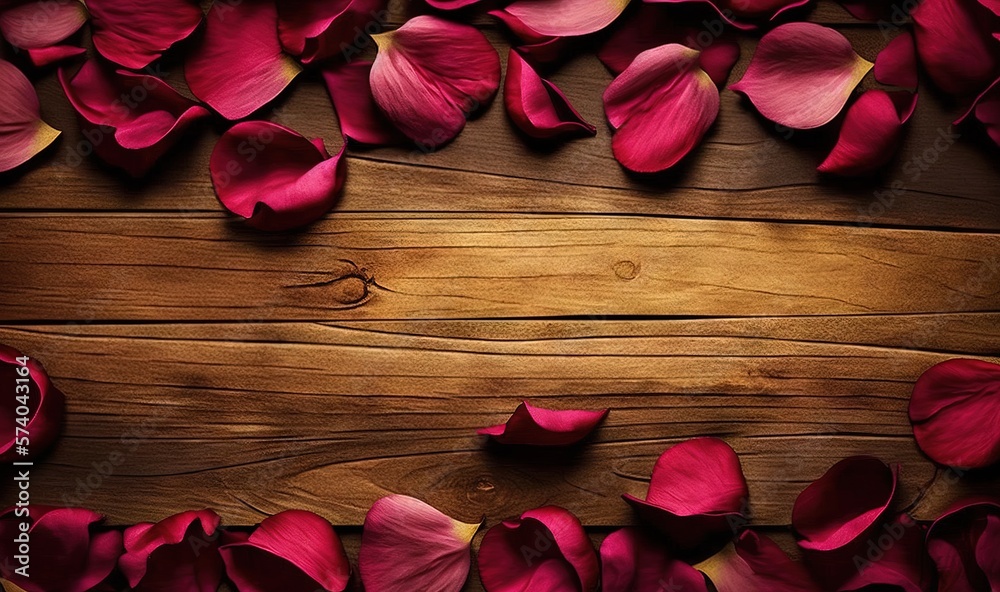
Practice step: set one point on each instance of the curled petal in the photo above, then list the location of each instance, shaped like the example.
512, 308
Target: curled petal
953, 38
23, 134
409, 545
315, 30
292, 551
47, 56
543, 49
537, 106
239, 67
739, 12
71, 552
545, 549
987, 111
955, 412
179, 553
131, 119
534, 426
697, 492
896, 64
274, 177
430, 75
872, 10
45, 404
895, 559
963, 543
871, 134
41, 23
843, 504
634, 562
360, 119
135, 33
660, 106
802, 75
754, 563
564, 18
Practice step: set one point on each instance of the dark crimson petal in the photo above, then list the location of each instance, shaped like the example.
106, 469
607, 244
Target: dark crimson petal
872, 10
988, 551
953, 38
47, 56
179, 554
962, 542
41, 23
315, 30
632, 561
534, 426
23, 134
135, 33
893, 559
538, 107
360, 119
738, 12
871, 133
45, 404
896, 65
451, 4
754, 563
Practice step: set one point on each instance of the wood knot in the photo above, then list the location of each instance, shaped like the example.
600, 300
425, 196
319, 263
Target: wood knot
626, 270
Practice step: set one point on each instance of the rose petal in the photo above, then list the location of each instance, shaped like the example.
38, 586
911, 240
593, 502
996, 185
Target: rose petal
47, 56
896, 64
409, 545
661, 107
697, 492
953, 38
292, 551
430, 75
634, 562
536, 106
754, 563
315, 30
134, 132
41, 23
545, 549
23, 134
802, 75
274, 177
451, 4
46, 404
871, 134
179, 553
543, 49
871, 10
988, 551
135, 33
955, 412
238, 67
963, 542
739, 12
987, 111
564, 18
894, 559
360, 119
534, 426
843, 504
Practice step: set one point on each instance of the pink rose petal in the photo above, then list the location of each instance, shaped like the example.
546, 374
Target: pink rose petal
238, 67
536, 106
534, 426
871, 133
896, 65
697, 493
39, 24
739, 13
45, 404
179, 553
754, 563
274, 177
360, 119
802, 75
632, 561
545, 549
963, 543
953, 38
955, 412
23, 134
409, 545
314, 30
451, 4
660, 106
430, 75
564, 18
135, 33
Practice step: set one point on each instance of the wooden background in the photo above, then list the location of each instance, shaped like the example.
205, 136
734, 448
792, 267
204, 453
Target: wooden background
741, 296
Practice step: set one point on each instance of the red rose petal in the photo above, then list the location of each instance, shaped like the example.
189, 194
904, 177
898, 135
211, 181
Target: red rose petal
179, 553
23, 134
543, 49
41, 23
545, 549
896, 65
955, 412
954, 41
430, 75
135, 33
963, 543
843, 504
239, 67
660, 106
47, 56
131, 132
871, 133
292, 551
896, 559
738, 12
315, 30
870, 10
754, 563
275, 177
697, 492
564, 18
360, 119
46, 404
537, 106
451, 4
634, 562
988, 551
534, 426
802, 75
409, 545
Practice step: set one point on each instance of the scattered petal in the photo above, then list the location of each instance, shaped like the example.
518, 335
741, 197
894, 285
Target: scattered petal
660, 106
430, 75
739, 12
545, 549
451, 4
409, 545
538, 107
544, 49
802, 75
46, 404
135, 33
23, 134
895, 559
754, 563
896, 64
871, 10
963, 543
986, 109
41, 23
314, 30
953, 38
274, 177
634, 562
564, 18
47, 56
534, 426
360, 119
871, 133
955, 412
179, 553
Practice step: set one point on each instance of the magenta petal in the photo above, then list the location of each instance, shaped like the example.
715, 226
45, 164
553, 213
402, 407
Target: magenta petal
451, 4
179, 553
135, 33
963, 543
802, 75
545, 549
47, 56
634, 562
739, 12
360, 119
953, 38
430, 75
955, 412
23, 134
46, 404
543, 49
537, 106
896, 65
843, 504
409, 545
871, 133
274, 177
754, 563
315, 30
697, 492
534, 426
239, 67
896, 559
661, 107
988, 551
292, 551
41, 23
565, 18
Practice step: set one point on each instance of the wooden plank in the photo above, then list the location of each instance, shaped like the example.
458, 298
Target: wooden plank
255, 418
201, 267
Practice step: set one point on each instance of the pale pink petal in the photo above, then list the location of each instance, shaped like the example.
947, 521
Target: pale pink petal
871, 133
38, 24
754, 563
23, 134
953, 38
896, 65
632, 561
360, 118
315, 30
534, 426
135, 33
538, 107
565, 18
